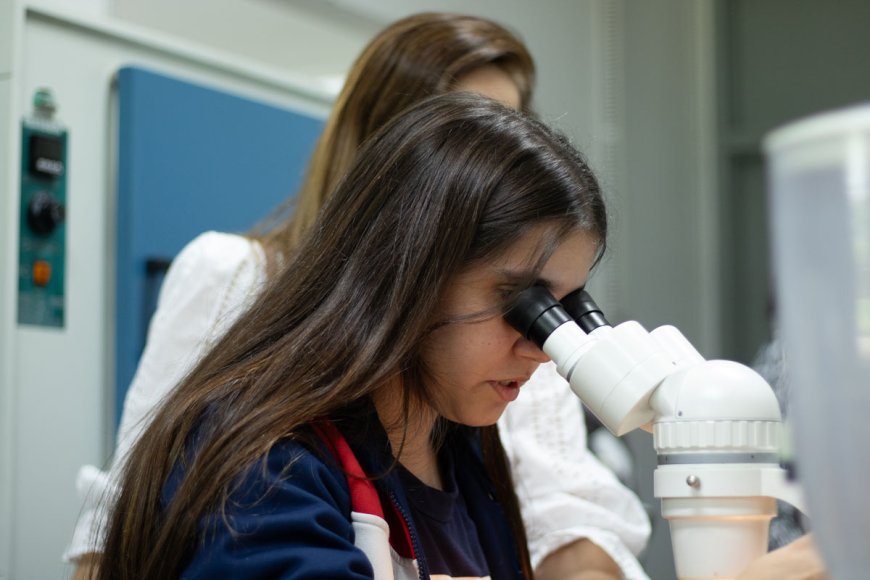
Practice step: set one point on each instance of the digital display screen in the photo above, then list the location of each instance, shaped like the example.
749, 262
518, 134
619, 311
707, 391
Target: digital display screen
46, 156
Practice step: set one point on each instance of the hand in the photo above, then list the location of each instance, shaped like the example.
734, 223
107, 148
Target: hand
580, 560
797, 561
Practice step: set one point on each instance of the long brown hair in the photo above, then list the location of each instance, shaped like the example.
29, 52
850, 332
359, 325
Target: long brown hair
451, 183
414, 58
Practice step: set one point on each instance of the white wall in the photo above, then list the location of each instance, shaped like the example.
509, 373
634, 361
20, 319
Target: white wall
8, 273
308, 38
667, 206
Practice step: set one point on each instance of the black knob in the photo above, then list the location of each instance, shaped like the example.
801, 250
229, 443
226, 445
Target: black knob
44, 213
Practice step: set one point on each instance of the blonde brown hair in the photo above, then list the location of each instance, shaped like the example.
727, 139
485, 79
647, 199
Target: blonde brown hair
414, 58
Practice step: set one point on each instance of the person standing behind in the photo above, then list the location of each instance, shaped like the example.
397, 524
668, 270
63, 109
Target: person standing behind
218, 275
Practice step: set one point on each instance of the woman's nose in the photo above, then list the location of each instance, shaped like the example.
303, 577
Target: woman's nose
525, 348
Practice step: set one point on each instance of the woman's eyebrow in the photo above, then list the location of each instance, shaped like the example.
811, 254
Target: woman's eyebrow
518, 277
525, 276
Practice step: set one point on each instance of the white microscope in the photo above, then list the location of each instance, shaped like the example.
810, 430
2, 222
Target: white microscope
716, 425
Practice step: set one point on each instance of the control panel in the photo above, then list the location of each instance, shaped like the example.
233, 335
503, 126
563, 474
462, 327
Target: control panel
42, 229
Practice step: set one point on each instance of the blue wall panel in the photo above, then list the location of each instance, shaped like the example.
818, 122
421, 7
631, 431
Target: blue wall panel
191, 158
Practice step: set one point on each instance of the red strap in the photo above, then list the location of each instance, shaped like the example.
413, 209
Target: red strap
364, 496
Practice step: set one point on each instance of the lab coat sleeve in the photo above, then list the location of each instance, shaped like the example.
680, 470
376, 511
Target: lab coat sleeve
565, 493
207, 286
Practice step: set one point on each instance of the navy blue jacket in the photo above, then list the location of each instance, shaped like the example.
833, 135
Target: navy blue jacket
296, 522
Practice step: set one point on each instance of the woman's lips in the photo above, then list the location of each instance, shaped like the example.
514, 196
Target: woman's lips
507, 390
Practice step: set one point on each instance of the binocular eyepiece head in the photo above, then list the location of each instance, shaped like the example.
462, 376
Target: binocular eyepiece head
536, 313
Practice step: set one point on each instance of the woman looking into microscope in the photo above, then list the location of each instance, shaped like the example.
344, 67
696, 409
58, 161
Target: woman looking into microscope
217, 275
377, 357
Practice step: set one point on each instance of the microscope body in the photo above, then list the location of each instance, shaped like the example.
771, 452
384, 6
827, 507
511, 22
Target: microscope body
716, 428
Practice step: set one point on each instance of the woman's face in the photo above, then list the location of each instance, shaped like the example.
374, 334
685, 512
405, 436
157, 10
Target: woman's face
478, 367
490, 81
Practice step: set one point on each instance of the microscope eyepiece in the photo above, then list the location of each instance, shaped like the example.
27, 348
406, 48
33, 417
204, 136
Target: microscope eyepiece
583, 309
536, 313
